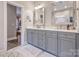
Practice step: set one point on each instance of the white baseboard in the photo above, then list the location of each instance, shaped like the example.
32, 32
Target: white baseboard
2, 50
13, 38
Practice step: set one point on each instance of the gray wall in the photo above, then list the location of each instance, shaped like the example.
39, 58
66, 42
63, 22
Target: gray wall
11, 21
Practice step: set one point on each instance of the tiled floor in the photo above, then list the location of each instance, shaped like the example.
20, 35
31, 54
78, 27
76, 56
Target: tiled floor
37, 52
12, 43
25, 51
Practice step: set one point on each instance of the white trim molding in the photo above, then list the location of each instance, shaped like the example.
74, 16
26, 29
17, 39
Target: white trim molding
5, 25
5, 21
14, 4
12, 38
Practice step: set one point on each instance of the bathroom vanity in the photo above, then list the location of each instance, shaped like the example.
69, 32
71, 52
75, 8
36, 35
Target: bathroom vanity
62, 43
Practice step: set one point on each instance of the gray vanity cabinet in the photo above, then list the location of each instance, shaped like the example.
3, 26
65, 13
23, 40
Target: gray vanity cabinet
66, 44
63, 44
41, 39
35, 37
77, 44
51, 42
32, 37
29, 36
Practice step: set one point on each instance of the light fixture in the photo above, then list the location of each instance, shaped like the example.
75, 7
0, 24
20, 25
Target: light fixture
39, 6
55, 9
56, 1
65, 6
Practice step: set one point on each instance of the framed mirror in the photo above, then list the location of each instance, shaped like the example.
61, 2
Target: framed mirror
39, 17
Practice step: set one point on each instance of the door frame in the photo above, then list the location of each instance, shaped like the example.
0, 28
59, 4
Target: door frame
5, 20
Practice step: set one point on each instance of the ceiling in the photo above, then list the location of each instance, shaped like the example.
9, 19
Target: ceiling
53, 4
57, 5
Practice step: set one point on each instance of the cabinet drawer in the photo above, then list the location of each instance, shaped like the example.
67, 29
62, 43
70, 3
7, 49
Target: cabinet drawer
69, 39
42, 32
29, 30
66, 35
53, 37
51, 34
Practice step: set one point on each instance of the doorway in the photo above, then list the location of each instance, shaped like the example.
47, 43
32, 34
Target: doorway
13, 26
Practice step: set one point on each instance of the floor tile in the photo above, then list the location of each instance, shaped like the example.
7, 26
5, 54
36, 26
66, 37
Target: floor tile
25, 51
45, 54
35, 51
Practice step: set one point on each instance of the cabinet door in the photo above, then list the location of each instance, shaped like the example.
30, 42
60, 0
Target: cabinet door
35, 37
66, 48
51, 45
41, 39
29, 36
51, 42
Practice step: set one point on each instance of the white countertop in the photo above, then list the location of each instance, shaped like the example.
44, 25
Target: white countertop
74, 31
